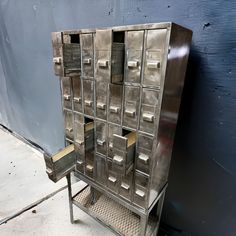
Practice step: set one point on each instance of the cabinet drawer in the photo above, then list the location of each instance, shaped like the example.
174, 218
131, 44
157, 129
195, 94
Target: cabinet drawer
101, 100
68, 119
115, 101
101, 137
131, 106
88, 88
101, 176
77, 94
66, 92
149, 110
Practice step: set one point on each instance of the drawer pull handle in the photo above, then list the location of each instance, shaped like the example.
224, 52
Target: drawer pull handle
57, 60
100, 142
110, 145
118, 159
114, 109
80, 162
103, 63
69, 130
153, 64
87, 61
88, 103
140, 193
66, 96
148, 117
130, 113
143, 157
133, 64
125, 186
80, 142
101, 105
77, 99
89, 168
112, 179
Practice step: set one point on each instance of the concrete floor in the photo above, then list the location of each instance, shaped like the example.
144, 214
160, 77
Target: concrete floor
23, 182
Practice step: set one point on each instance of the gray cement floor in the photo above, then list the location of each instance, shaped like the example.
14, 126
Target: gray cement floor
23, 182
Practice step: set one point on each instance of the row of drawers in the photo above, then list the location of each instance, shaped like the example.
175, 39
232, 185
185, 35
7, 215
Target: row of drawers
139, 108
133, 186
133, 149
113, 62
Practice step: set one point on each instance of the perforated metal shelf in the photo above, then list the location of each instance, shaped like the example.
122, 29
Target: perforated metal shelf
112, 214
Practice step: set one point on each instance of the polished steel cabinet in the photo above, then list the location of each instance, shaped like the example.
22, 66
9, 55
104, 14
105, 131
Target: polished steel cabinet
121, 91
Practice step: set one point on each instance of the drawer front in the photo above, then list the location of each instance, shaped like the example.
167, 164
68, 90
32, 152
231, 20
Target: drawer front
149, 110
141, 190
80, 158
115, 103
155, 49
112, 129
88, 88
144, 149
68, 118
103, 43
101, 100
131, 106
66, 92
134, 50
126, 186
101, 137
57, 53
100, 172
79, 129
89, 164
103, 66
77, 95
112, 178
72, 59
87, 55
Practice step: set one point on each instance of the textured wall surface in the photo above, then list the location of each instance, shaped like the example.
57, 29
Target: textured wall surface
202, 189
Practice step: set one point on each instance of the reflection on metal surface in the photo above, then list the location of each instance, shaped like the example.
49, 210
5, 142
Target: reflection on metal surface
121, 92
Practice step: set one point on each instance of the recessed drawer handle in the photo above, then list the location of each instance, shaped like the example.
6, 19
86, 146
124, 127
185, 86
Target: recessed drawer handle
66, 96
133, 64
143, 157
140, 193
125, 186
114, 109
103, 63
80, 162
112, 179
130, 113
118, 159
153, 64
77, 99
88, 103
87, 61
101, 105
69, 130
148, 117
89, 168
57, 60
100, 142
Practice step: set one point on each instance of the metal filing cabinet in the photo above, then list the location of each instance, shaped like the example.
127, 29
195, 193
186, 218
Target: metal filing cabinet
121, 92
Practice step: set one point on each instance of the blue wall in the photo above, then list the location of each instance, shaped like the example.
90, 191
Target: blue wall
202, 190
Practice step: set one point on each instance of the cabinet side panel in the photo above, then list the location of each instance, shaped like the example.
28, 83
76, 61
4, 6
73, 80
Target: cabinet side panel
180, 40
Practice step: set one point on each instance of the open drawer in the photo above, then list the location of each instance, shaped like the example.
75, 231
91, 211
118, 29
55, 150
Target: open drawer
60, 164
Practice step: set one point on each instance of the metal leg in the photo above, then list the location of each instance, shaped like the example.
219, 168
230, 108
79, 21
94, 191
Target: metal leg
143, 225
70, 198
159, 208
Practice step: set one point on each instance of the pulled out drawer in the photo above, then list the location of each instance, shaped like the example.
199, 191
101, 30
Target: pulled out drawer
60, 164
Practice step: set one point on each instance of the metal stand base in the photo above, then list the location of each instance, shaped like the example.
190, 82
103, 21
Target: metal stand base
112, 214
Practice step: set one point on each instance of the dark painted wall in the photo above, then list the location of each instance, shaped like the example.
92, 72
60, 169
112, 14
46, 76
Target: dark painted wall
202, 190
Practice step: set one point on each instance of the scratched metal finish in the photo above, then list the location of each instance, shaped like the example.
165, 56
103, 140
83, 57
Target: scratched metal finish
201, 194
